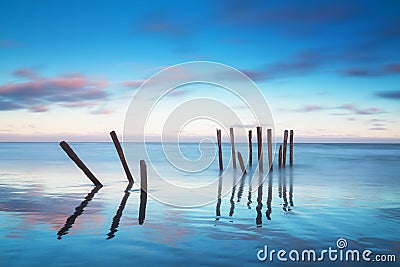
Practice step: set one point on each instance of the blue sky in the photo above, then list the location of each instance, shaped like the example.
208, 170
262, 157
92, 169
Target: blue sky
329, 69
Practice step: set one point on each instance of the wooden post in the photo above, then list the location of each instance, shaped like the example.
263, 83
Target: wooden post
259, 142
285, 136
143, 175
143, 192
269, 139
121, 155
241, 163
280, 156
221, 165
233, 148
250, 149
291, 147
79, 163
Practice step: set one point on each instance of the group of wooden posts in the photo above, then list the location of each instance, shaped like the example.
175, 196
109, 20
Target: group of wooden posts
281, 156
143, 169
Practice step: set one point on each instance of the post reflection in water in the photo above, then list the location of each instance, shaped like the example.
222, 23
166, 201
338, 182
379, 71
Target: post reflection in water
286, 207
291, 187
117, 217
249, 195
269, 199
142, 207
282, 193
240, 191
259, 201
232, 201
218, 207
78, 211
280, 183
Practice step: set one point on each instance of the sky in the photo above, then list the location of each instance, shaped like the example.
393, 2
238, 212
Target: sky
330, 70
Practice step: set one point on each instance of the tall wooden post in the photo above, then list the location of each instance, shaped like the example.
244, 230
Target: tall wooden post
285, 136
221, 165
121, 156
259, 142
79, 163
143, 192
269, 139
291, 147
233, 148
241, 163
280, 156
250, 149
143, 175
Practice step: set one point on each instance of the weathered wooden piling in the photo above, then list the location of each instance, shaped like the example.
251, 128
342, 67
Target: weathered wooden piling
259, 142
221, 165
143, 192
250, 149
285, 136
121, 155
291, 147
71, 154
143, 175
241, 163
233, 148
280, 156
269, 139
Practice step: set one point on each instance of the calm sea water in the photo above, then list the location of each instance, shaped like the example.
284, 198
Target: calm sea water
51, 215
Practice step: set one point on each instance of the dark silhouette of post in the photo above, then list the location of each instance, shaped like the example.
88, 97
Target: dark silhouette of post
241, 163
233, 148
291, 147
285, 136
250, 149
118, 215
269, 199
221, 165
249, 195
218, 207
231, 200
71, 154
280, 156
121, 155
259, 142
269, 139
259, 202
143, 192
78, 211
291, 188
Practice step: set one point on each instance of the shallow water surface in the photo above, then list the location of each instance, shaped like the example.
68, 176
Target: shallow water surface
51, 215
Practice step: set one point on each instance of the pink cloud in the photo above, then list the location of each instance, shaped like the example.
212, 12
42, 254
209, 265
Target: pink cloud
39, 93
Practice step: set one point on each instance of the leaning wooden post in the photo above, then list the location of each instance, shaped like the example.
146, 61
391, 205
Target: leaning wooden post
79, 163
259, 142
250, 149
241, 163
221, 165
285, 136
233, 148
143, 192
121, 155
280, 156
291, 147
269, 139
